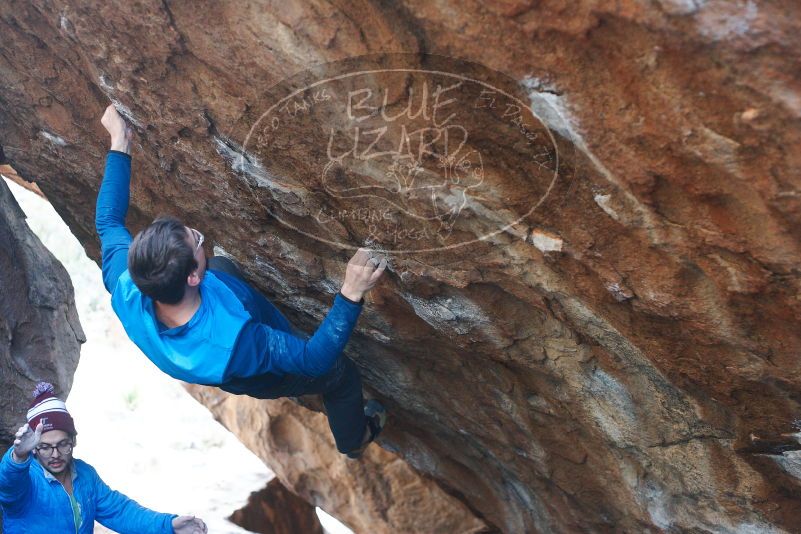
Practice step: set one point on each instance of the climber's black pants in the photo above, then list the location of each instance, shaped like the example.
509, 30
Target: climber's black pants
341, 389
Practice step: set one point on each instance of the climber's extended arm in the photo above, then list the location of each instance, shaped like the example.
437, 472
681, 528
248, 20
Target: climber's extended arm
268, 345
112, 200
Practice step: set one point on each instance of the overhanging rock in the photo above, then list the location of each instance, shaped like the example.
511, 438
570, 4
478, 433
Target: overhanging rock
597, 363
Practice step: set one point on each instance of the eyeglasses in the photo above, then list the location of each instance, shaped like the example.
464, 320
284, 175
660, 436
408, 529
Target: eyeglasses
46, 451
198, 237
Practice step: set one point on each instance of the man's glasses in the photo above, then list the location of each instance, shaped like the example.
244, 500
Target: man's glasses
46, 451
198, 238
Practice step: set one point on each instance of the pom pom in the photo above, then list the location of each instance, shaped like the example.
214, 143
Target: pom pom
43, 387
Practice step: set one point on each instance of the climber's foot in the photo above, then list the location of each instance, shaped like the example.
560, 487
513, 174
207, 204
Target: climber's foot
376, 416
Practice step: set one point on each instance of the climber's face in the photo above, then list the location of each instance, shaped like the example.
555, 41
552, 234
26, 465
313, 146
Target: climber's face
196, 239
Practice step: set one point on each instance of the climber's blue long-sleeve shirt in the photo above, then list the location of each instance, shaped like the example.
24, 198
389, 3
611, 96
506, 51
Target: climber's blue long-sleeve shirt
237, 339
34, 502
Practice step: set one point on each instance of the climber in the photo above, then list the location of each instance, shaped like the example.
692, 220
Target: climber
32, 493
199, 321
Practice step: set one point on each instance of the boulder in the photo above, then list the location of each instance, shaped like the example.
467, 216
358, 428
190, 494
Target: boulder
380, 493
40, 334
592, 219
275, 510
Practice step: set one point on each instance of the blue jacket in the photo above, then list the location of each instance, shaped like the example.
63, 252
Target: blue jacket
34, 502
237, 340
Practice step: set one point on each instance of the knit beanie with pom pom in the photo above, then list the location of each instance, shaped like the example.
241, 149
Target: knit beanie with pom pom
47, 409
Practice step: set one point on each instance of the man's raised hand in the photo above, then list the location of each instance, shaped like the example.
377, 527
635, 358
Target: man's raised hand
361, 274
187, 524
26, 440
118, 129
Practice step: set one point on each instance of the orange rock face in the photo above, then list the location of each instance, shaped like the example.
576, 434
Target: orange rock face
593, 298
274, 509
380, 493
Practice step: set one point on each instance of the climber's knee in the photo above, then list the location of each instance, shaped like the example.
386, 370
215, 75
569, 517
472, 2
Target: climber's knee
225, 265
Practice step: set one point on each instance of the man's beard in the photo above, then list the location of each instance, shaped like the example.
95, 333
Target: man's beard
60, 469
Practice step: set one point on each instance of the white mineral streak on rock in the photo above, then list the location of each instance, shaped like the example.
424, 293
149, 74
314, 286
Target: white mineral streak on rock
554, 111
53, 138
729, 19
603, 203
681, 7
613, 408
546, 242
455, 314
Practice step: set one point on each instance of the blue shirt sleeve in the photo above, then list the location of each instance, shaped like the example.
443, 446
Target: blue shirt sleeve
261, 348
110, 213
15, 481
124, 515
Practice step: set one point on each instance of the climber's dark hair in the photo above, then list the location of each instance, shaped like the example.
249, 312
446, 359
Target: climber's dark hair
160, 259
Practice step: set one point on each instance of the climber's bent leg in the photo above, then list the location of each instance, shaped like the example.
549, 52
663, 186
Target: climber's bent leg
345, 406
226, 265
341, 389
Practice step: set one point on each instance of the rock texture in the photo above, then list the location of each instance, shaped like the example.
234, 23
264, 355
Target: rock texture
379, 494
595, 366
40, 335
275, 509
